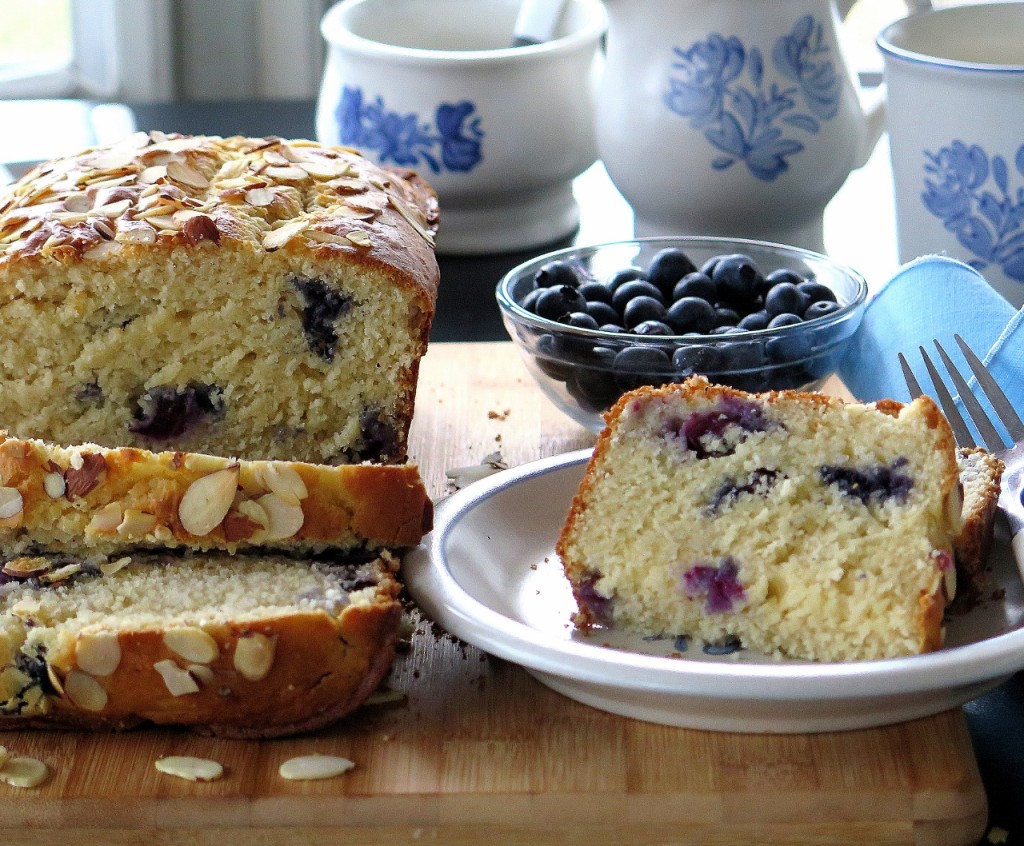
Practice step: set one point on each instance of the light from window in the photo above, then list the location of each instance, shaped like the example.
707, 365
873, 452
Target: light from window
35, 39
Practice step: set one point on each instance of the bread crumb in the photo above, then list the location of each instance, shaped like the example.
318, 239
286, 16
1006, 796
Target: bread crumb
499, 415
997, 835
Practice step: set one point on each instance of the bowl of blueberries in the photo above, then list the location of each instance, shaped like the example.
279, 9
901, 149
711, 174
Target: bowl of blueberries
594, 322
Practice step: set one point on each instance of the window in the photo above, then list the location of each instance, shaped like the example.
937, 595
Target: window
36, 48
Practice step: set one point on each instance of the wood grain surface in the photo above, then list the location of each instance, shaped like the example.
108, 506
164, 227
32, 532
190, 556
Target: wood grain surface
477, 752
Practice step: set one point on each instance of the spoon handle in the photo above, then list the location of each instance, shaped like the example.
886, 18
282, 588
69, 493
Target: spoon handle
536, 21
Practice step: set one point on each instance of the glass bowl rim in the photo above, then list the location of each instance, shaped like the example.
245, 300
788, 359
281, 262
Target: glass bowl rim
509, 306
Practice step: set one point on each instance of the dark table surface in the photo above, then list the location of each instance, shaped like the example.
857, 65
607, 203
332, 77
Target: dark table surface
466, 311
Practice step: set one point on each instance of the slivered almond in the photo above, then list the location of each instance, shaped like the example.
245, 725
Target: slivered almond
254, 655
285, 515
259, 197
313, 767
277, 238
53, 484
180, 171
11, 502
282, 480
107, 519
27, 567
192, 644
108, 568
177, 680
99, 653
189, 768
136, 524
202, 673
207, 501
85, 691
23, 772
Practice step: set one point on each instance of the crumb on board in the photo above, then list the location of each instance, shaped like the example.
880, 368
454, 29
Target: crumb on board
997, 835
499, 415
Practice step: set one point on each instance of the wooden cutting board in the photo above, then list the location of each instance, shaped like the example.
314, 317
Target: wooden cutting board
477, 752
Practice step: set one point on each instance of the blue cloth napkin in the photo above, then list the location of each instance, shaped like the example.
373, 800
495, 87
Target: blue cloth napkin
932, 298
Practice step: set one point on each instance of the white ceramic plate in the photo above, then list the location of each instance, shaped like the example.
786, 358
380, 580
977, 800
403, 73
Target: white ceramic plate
489, 574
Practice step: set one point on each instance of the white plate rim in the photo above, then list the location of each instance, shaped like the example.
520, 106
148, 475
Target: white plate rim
437, 591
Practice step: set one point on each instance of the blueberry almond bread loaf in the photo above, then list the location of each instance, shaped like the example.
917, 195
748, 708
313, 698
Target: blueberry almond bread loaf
252, 297
795, 523
233, 646
88, 499
980, 475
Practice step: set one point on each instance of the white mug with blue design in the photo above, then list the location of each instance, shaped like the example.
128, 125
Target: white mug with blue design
499, 131
955, 79
731, 117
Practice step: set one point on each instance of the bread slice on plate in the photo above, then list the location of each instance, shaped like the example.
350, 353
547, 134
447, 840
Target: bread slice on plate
791, 523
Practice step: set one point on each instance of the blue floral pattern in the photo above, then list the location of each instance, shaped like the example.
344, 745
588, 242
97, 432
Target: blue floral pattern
452, 143
970, 193
742, 121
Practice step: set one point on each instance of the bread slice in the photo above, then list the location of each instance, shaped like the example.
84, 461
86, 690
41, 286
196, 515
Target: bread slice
234, 646
87, 499
980, 477
252, 297
794, 523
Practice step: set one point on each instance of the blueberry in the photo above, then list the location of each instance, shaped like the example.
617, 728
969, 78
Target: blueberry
695, 284
708, 268
726, 316
594, 387
322, 307
169, 411
697, 358
636, 366
652, 327
641, 309
820, 309
727, 330
788, 347
691, 314
754, 321
877, 483
579, 320
614, 328
548, 354
785, 298
816, 292
635, 288
785, 319
737, 278
621, 277
553, 303
744, 355
596, 292
667, 267
602, 312
556, 273
529, 302
379, 438
783, 274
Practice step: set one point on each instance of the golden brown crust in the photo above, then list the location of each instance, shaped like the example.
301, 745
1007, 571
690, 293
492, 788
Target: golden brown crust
980, 476
160, 192
91, 499
322, 666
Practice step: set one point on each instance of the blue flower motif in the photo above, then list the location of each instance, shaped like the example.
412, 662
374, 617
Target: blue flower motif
739, 120
988, 223
455, 144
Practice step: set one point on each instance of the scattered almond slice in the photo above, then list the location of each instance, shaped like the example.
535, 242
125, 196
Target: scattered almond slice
189, 768
24, 772
460, 477
313, 767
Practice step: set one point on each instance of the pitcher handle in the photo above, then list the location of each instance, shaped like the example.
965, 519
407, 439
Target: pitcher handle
844, 6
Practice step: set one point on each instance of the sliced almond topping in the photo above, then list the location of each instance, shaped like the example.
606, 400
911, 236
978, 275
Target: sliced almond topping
282, 480
207, 501
312, 767
53, 484
288, 173
202, 673
182, 172
136, 524
84, 474
55, 680
286, 516
4, 755
78, 202
60, 574
98, 653
108, 568
232, 169
255, 512
359, 238
11, 502
277, 238
152, 174
24, 772
254, 655
85, 691
103, 249
26, 568
114, 210
326, 168
259, 197
192, 644
178, 681
107, 519
137, 235
189, 768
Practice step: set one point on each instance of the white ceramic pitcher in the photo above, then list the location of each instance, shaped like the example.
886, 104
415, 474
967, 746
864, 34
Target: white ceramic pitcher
731, 117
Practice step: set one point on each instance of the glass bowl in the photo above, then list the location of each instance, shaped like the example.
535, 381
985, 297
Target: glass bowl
583, 371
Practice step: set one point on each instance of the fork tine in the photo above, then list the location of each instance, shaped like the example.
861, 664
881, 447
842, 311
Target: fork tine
961, 433
992, 390
993, 440
913, 386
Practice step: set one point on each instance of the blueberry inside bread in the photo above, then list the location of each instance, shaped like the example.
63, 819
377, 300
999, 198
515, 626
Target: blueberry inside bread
249, 297
796, 523
222, 644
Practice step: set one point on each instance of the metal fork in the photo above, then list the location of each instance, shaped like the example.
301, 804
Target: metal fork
1012, 456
